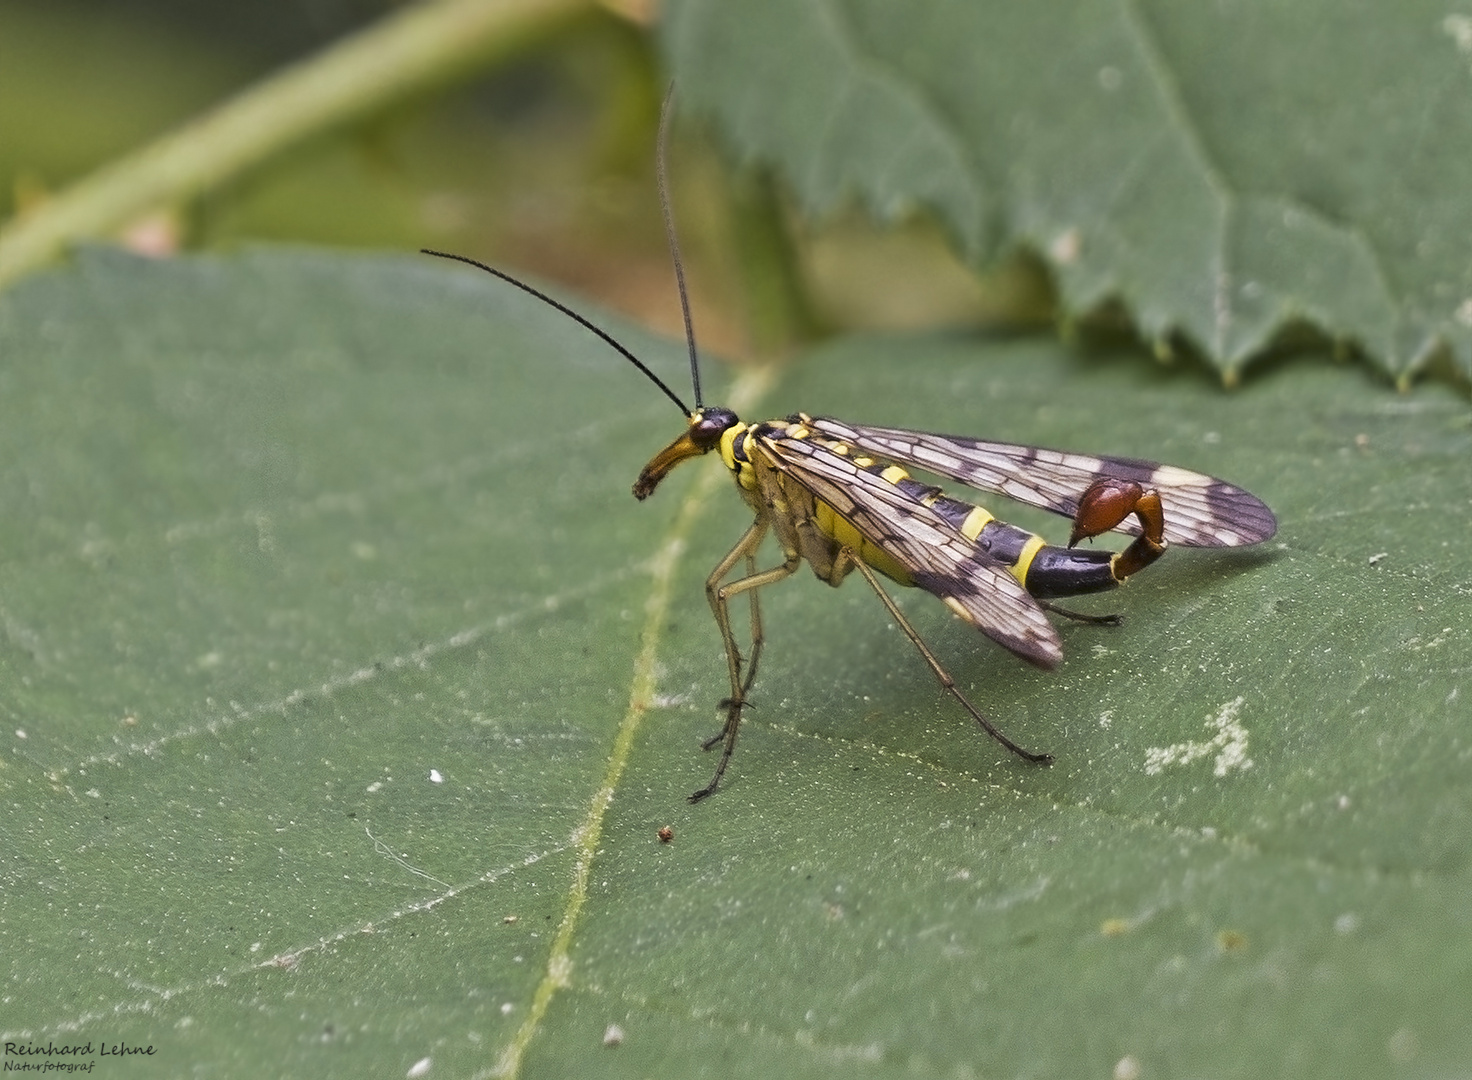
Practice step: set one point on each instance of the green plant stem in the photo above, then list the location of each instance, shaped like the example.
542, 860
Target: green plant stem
779, 313
417, 48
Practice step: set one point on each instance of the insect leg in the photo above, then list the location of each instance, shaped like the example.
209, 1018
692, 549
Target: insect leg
719, 596
757, 638
1079, 616
940, 673
745, 548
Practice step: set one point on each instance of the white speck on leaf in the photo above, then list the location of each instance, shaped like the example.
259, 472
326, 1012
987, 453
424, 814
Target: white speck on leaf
1459, 29
1404, 1045
1066, 247
1229, 744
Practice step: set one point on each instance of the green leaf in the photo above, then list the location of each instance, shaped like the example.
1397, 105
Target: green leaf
288, 536
1226, 171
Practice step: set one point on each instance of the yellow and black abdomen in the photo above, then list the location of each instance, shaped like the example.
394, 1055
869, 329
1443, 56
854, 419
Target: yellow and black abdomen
1044, 569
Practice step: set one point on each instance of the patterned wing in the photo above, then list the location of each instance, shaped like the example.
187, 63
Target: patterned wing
1200, 511
938, 558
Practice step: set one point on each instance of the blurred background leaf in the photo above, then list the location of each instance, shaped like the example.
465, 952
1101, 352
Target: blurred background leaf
1224, 173
546, 165
1197, 175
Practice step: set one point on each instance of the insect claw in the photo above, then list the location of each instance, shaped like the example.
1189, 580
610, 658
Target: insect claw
726, 735
1104, 504
733, 719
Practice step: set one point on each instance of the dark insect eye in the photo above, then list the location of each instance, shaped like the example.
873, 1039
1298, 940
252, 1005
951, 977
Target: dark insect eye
706, 432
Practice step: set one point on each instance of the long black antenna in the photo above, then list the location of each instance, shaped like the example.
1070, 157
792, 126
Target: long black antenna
674, 242
571, 314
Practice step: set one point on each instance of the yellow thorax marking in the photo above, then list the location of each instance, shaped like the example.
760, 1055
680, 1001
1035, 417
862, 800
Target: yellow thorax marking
745, 476
728, 444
